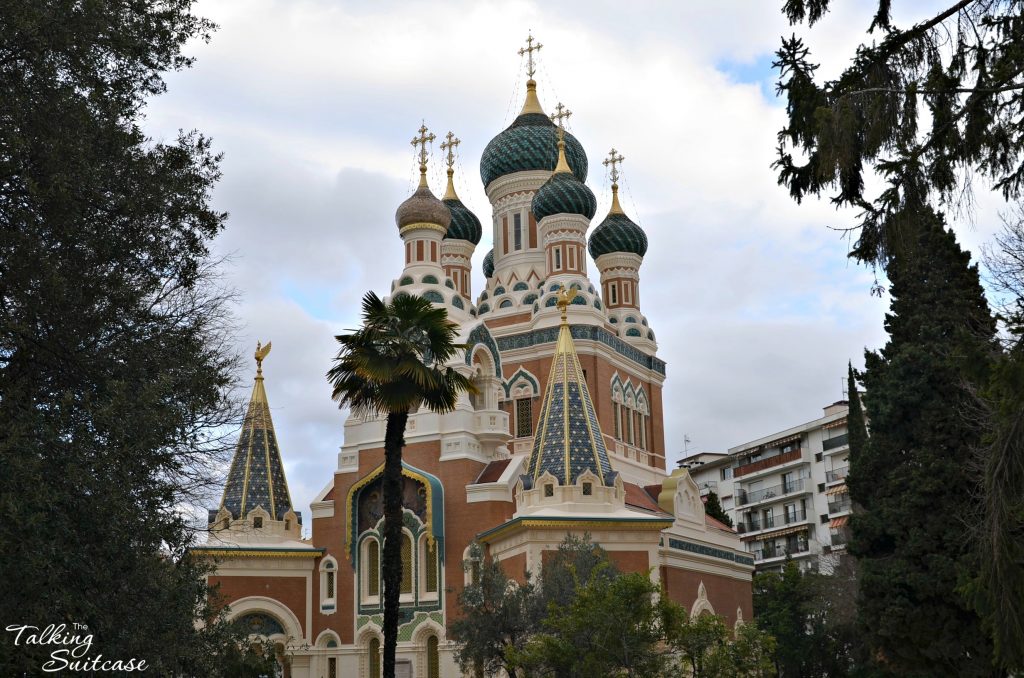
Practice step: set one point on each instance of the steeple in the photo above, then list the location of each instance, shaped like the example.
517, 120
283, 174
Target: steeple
568, 440
256, 478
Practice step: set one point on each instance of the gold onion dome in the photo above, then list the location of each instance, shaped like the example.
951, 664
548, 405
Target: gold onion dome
529, 144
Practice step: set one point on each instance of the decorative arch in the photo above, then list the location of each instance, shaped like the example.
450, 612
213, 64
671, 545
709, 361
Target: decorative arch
429, 279
328, 638
521, 375
519, 286
505, 303
433, 516
481, 335
270, 607
328, 584
433, 297
457, 302
701, 604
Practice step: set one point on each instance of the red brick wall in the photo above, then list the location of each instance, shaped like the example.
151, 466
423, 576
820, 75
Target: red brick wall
514, 567
724, 594
289, 591
630, 561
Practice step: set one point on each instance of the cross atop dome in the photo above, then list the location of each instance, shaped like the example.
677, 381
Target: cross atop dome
560, 117
612, 161
422, 140
528, 51
449, 144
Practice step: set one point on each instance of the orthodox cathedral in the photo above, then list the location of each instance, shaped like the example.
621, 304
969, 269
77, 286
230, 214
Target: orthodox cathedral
565, 434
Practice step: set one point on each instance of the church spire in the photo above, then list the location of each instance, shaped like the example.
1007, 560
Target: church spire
256, 478
568, 440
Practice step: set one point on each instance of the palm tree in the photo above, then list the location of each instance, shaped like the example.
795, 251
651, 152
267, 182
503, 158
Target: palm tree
392, 365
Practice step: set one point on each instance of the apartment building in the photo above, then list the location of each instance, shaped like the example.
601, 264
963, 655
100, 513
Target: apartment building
786, 492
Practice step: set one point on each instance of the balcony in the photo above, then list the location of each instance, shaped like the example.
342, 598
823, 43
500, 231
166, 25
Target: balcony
837, 474
769, 552
708, 486
768, 522
743, 497
834, 444
840, 505
770, 462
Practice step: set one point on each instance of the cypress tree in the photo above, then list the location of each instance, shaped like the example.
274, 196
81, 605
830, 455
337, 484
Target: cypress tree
713, 507
909, 475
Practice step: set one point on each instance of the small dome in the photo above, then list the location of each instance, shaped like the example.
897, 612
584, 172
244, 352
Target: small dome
423, 207
563, 193
464, 225
489, 264
617, 233
529, 144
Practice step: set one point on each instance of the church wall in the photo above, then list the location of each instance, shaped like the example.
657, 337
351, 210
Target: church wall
630, 561
289, 591
329, 534
724, 593
514, 567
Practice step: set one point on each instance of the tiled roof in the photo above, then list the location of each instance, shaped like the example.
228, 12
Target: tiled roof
529, 143
638, 497
492, 472
617, 233
563, 193
464, 224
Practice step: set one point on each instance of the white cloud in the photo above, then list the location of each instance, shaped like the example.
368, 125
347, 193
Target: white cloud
754, 304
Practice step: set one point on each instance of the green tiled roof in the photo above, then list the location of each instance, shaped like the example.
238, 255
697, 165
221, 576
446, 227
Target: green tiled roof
617, 233
464, 225
530, 143
563, 193
489, 264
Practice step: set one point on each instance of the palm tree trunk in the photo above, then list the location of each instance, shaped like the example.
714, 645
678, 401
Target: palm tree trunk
394, 440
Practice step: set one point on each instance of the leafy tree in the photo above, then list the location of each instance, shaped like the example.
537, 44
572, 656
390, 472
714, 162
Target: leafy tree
707, 649
713, 507
113, 371
926, 106
909, 538
612, 627
395, 363
577, 560
498, 616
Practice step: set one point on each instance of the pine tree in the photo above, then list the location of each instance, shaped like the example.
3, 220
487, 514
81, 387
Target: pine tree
713, 507
908, 477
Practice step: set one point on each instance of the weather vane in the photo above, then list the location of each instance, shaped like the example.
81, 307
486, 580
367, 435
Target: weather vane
528, 51
261, 354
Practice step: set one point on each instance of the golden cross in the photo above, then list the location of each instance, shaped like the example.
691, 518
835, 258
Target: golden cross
449, 145
560, 117
613, 160
422, 140
529, 50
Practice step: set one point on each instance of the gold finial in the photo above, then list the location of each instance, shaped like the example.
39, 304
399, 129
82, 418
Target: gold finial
422, 140
613, 160
261, 353
565, 297
449, 145
559, 119
528, 51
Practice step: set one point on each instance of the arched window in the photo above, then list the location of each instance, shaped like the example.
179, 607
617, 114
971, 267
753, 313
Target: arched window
433, 658
374, 658
370, 567
328, 584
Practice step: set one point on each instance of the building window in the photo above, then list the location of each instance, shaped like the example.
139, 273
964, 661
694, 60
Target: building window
572, 257
257, 522
614, 289
332, 667
629, 427
588, 489
617, 420
433, 660
517, 231
372, 567
524, 417
558, 258
549, 490
330, 585
374, 658
627, 292
726, 473
406, 587
429, 566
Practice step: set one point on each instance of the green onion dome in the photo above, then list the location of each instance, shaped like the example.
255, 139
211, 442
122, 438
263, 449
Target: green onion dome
617, 233
489, 264
464, 224
529, 144
563, 193
422, 207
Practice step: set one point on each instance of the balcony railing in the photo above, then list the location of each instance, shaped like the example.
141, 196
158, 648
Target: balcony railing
840, 505
833, 443
768, 522
762, 464
743, 497
779, 551
837, 474
708, 486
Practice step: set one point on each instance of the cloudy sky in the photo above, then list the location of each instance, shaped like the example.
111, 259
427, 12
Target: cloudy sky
313, 103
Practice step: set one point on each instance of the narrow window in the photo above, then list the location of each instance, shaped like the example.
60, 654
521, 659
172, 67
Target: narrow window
374, 658
627, 292
257, 522
433, 251
430, 566
287, 524
629, 427
588, 489
572, 258
332, 667
558, 258
373, 568
505, 235
524, 417
614, 293
616, 423
549, 490
406, 564
517, 229
419, 250
408, 252
433, 660
330, 584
